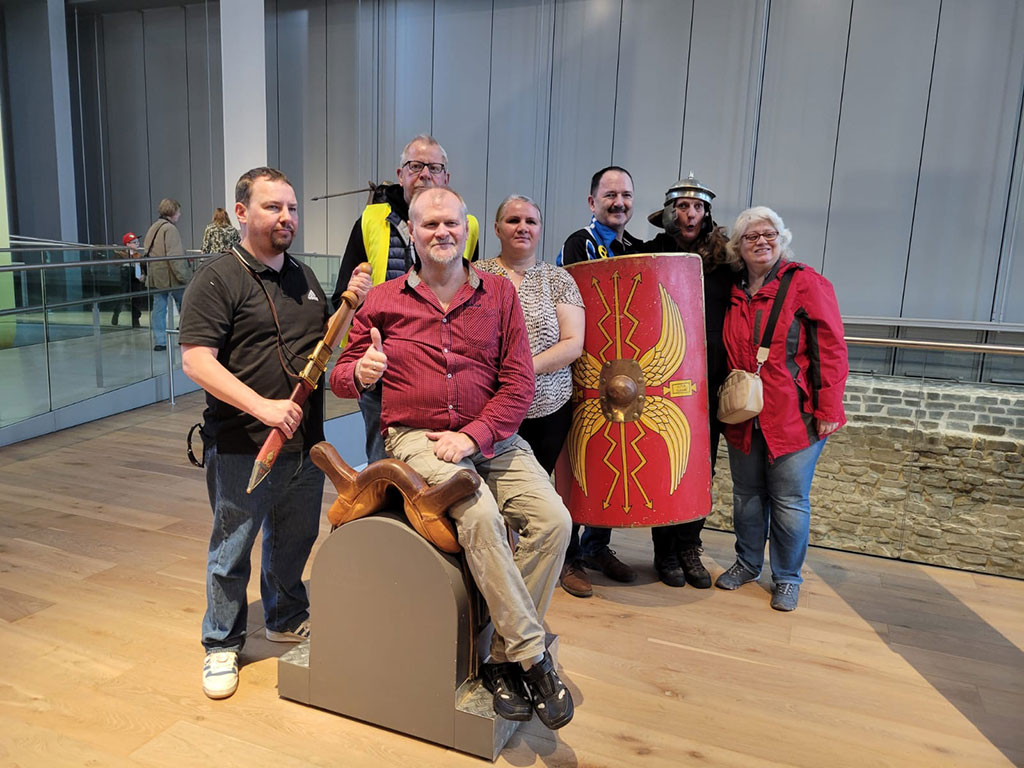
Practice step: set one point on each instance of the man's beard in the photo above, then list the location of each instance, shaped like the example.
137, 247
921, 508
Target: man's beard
445, 259
281, 239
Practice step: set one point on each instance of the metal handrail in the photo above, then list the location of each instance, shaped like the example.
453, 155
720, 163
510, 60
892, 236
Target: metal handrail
921, 322
948, 346
89, 263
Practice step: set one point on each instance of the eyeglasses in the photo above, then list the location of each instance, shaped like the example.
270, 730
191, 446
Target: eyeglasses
753, 237
416, 167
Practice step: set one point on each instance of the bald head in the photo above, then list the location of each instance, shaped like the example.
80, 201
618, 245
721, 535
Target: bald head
437, 224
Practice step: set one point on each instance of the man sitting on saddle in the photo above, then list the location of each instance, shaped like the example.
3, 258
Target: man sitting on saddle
449, 345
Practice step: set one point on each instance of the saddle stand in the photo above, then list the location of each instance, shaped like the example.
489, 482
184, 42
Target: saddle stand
396, 624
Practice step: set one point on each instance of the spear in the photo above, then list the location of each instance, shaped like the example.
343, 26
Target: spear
337, 327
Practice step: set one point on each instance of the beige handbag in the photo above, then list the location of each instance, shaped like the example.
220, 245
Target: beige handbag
741, 396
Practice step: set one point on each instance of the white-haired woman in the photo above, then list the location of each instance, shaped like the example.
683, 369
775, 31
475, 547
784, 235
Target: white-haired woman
772, 456
555, 319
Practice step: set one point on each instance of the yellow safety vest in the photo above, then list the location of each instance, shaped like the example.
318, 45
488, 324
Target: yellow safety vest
377, 238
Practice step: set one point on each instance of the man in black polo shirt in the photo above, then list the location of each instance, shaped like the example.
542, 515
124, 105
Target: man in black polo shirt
249, 320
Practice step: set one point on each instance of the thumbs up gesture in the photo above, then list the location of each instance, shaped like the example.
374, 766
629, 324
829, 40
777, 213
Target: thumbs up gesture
373, 363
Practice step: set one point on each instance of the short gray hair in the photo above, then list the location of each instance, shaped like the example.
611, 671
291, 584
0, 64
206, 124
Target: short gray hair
423, 138
517, 199
752, 216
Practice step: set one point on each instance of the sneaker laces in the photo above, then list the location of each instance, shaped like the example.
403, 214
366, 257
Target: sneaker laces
786, 588
736, 569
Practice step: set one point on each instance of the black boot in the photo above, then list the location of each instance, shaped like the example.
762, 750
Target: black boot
670, 571
694, 570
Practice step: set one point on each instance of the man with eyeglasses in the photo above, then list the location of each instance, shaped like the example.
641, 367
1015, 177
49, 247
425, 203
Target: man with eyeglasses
381, 237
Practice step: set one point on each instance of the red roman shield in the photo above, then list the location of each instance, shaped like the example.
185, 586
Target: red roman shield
639, 444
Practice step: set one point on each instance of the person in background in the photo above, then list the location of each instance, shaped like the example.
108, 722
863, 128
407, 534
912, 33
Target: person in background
131, 281
219, 235
772, 457
167, 278
686, 219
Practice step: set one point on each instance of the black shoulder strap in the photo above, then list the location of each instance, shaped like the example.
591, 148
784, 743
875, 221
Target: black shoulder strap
155, 233
773, 318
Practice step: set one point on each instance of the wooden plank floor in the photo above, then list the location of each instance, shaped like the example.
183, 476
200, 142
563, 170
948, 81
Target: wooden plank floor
103, 534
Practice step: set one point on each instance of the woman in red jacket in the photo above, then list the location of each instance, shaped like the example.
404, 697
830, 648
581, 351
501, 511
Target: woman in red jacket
772, 456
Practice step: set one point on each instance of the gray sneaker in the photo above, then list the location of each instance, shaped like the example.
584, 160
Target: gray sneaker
735, 577
785, 596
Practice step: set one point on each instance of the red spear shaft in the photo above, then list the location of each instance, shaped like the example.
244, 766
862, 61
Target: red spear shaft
337, 327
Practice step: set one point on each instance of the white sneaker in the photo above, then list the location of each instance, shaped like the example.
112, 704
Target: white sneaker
296, 635
220, 674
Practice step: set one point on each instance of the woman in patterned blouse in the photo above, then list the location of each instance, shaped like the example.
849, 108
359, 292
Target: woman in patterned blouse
220, 235
553, 309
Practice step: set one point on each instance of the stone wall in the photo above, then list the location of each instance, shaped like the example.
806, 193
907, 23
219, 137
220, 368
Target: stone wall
924, 471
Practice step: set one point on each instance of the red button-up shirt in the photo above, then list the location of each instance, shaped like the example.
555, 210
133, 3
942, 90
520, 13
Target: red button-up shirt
467, 369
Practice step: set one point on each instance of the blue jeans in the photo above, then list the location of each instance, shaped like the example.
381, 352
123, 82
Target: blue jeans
159, 316
591, 543
772, 497
287, 507
369, 406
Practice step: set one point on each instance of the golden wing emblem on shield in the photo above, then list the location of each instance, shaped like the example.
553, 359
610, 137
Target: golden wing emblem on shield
586, 420
586, 371
664, 358
665, 418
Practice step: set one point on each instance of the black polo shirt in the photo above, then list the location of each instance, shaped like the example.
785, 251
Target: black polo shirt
226, 309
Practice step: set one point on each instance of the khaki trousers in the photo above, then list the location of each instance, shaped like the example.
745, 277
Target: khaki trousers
515, 490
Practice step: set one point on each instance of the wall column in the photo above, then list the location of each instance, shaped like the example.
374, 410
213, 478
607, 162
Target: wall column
243, 55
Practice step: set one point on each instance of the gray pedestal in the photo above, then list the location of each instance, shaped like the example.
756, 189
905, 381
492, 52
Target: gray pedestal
391, 640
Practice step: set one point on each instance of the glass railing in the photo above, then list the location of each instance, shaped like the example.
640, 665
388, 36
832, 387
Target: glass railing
75, 326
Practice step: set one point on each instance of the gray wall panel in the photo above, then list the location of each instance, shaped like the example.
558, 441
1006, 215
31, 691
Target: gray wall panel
167, 113
273, 85
719, 122
966, 162
205, 123
351, 141
31, 120
302, 124
878, 152
90, 130
519, 105
461, 81
1010, 308
654, 49
796, 138
582, 104
127, 145
406, 63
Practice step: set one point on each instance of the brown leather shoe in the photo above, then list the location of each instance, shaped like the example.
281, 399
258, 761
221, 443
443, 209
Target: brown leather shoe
607, 563
574, 579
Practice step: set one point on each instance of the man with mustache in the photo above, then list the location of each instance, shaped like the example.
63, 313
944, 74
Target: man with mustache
611, 202
250, 319
449, 344
381, 237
